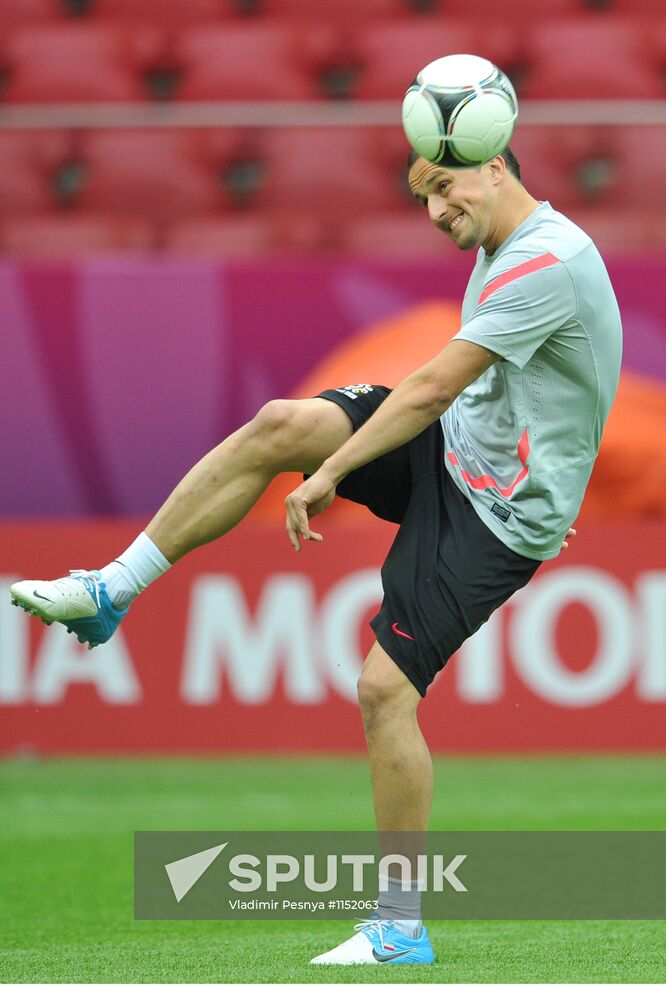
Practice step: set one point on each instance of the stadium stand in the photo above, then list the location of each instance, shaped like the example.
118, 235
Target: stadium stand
29, 163
15, 12
581, 58
332, 172
634, 7
249, 61
79, 62
623, 231
181, 11
166, 13
593, 167
347, 11
162, 174
315, 188
246, 235
550, 161
389, 52
640, 153
514, 12
397, 235
65, 236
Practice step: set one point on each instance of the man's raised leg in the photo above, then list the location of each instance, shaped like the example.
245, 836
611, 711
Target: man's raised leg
286, 435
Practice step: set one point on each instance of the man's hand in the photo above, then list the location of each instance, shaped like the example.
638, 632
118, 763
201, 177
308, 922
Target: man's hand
312, 497
570, 534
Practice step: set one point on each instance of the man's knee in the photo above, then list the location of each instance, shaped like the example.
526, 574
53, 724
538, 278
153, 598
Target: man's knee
297, 435
278, 427
383, 687
277, 418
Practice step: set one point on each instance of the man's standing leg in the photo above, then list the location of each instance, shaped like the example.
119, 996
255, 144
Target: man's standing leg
402, 786
400, 761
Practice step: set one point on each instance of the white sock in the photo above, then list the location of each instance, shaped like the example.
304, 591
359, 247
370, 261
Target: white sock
133, 571
410, 928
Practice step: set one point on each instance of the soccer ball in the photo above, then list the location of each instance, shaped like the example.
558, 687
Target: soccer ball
460, 111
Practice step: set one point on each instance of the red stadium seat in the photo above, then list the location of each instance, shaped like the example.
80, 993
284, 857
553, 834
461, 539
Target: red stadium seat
161, 174
404, 235
391, 53
637, 8
548, 161
63, 235
341, 12
594, 57
244, 235
28, 161
14, 12
253, 61
79, 62
515, 12
334, 172
179, 12
637, 178
166, 13
622, 231
586, 167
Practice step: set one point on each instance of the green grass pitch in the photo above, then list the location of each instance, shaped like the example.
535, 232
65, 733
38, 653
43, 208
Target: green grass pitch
66, 849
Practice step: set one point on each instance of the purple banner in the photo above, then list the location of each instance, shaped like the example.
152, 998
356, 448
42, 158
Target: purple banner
117, 375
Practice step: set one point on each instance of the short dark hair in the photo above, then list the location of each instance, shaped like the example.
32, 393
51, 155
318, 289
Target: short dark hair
507, 155
511, 161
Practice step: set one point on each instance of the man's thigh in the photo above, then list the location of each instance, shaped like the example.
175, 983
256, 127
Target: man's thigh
305, 432
316, 429
383, 485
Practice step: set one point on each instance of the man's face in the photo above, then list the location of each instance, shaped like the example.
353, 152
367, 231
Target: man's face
460, 201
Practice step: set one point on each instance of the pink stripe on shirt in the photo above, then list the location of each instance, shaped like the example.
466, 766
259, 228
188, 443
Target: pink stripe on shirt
484, 482
544, 260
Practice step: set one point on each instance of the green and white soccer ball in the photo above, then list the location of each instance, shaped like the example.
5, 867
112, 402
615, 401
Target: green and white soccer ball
460, 111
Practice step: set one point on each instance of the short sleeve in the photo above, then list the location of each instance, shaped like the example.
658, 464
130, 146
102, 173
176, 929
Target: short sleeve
517, 314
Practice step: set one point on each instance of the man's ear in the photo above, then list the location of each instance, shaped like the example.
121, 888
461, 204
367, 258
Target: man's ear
497, 168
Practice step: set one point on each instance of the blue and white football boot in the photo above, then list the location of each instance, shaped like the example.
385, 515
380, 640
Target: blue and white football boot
78, 601
378, 942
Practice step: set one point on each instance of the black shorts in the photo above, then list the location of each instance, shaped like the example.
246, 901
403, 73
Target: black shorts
446, 572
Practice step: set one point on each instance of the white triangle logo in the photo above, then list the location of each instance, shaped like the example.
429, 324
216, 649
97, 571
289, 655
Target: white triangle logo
186, 872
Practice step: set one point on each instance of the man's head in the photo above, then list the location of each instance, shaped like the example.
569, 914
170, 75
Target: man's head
475, 206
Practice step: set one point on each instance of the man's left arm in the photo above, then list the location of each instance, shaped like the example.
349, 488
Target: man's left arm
416, 402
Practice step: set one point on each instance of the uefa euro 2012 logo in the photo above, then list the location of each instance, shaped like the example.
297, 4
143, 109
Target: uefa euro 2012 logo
354, 391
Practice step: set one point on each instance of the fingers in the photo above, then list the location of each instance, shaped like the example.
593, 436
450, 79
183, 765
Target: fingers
298, 525
293, 534
570, 534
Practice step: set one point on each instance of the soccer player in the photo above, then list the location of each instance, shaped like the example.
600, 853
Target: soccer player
482, 456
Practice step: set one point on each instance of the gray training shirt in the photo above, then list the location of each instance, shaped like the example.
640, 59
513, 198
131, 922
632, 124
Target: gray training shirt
521, 440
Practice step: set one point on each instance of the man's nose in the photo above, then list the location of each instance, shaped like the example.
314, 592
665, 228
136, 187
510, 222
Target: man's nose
436, 207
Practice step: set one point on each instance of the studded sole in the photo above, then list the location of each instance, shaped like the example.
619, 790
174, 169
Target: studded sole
47, 621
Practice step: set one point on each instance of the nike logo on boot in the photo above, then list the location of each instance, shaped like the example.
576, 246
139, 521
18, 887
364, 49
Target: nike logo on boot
382, 957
